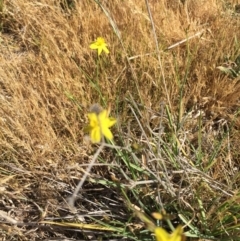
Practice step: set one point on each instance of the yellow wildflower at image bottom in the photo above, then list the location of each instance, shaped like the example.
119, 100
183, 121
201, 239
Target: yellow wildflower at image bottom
162, 235
99, 125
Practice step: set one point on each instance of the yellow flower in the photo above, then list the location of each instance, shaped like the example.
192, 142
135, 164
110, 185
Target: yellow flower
100, 45
162, 235
99, 125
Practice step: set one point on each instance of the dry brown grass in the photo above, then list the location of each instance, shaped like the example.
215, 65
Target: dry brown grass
46, 87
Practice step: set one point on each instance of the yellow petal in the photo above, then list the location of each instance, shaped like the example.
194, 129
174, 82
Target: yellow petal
99, 50
107, 133
105, 49
111, 121
95, 135
177, 234
105, 120
93, 119
161, 234
93, 46
103, 115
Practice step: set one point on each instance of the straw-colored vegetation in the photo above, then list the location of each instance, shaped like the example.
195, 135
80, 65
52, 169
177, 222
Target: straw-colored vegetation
172, 82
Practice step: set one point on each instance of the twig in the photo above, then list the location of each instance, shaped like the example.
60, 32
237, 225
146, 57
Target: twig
158, 52
72, 199
185, 40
